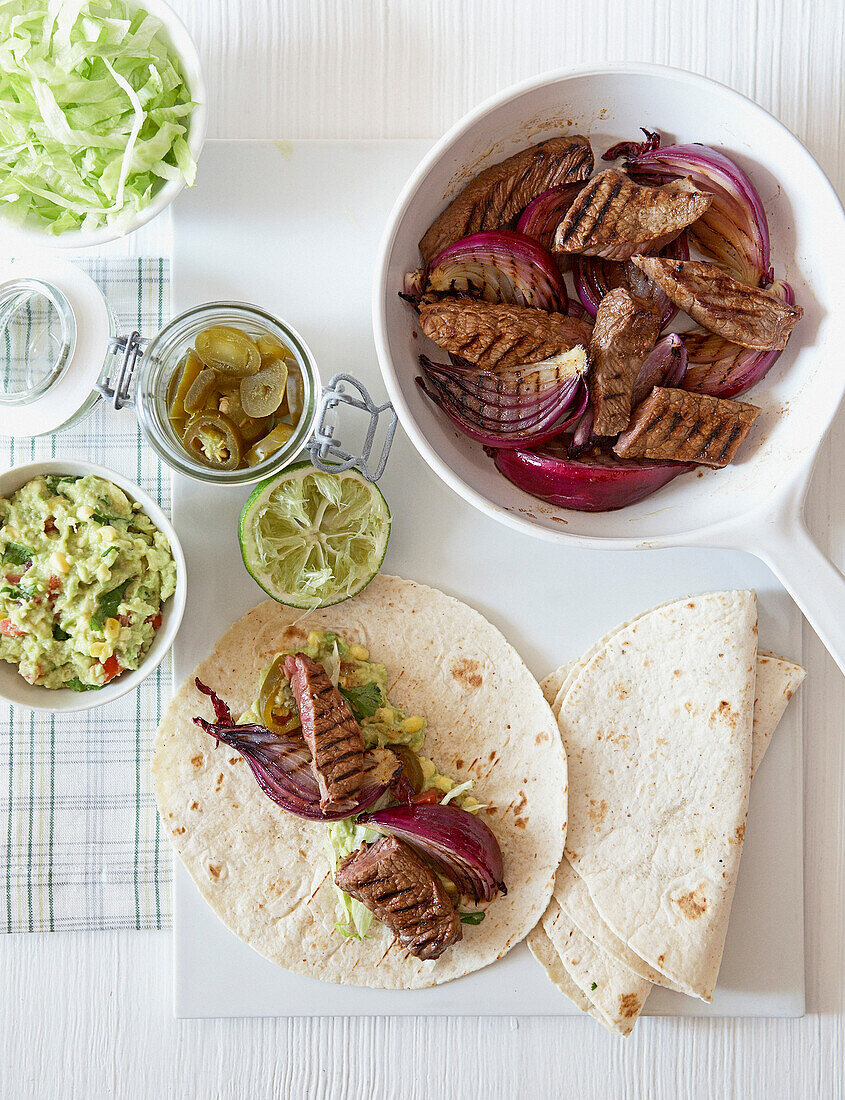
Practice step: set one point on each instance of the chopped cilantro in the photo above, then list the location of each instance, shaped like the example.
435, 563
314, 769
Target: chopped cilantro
75, 684
364, 700
54, 482
20, 591
108, 604
473, 918
16, 554
593, 986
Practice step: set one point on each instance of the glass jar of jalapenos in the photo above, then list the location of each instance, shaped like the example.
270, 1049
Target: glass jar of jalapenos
225, 392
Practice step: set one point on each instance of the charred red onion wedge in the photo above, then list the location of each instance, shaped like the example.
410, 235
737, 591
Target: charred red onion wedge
665, 365
543, 215
735, 230
722, 369
281, 764
595, 277
586, 484
457, 843
500, 266
510, 408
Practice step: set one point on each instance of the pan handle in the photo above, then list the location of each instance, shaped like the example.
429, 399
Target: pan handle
813, 581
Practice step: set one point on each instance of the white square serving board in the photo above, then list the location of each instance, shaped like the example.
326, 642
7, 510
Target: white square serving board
294, 227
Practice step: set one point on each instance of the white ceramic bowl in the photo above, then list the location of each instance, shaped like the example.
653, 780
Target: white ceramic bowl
799, 395
178, 37
13, 687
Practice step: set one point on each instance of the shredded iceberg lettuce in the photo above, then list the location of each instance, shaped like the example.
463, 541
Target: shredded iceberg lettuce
94, 113
343, 837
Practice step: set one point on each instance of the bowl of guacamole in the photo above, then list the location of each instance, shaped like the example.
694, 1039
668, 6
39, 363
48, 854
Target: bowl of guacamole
92, 585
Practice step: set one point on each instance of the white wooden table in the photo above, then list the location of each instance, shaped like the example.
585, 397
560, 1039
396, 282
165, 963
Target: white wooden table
90, 1015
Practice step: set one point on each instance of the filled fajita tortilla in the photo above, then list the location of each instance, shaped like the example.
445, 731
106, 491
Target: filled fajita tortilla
368, 794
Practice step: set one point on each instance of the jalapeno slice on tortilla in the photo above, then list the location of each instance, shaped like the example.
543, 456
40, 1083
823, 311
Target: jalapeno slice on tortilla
411, 767
275, 712
262, 393
214, 439
228, 350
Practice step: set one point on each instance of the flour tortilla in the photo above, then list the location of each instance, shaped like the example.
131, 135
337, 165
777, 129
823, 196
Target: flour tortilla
617, 993
777, 680
265, 872
657, 810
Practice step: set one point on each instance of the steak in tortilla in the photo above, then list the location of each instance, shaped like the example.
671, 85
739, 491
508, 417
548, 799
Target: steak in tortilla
329, 730
406, 895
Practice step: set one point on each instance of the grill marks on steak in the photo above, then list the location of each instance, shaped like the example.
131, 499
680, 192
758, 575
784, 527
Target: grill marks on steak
393, 882
614, 217
687, 427
330, 732
499, 193
743, 314
625, 331
499, 336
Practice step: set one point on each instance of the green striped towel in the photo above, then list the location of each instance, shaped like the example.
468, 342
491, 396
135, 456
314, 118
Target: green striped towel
80, 844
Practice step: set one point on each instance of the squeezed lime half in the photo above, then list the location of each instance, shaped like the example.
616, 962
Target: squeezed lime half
312, 539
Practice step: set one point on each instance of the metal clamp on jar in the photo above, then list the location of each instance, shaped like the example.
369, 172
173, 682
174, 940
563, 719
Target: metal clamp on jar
60, 353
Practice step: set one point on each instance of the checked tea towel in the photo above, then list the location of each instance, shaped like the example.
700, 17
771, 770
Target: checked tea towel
80, 844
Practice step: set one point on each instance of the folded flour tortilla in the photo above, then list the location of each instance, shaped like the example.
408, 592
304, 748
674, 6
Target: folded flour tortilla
265, 872
657, 809
777, 679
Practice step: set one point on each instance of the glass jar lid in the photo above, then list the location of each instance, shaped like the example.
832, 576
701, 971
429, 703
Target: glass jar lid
55, 328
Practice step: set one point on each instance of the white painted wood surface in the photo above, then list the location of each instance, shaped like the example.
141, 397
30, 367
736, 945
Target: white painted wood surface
89, 1015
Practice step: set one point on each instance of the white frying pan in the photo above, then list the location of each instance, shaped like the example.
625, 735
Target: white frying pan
754, 505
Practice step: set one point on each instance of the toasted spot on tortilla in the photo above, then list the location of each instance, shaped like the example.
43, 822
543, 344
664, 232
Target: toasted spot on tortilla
597, 811
739, 833
219, 782
217, 871
459, 763
179, 830
661, 959
519, 822
466, 672
676, 672
198, 760
195, 805
629, 1005
621, 691
235, 759
693, 904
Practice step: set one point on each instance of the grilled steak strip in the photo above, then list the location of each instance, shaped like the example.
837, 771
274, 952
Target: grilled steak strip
742, 314
499, 336
614, 217
625, 331
495, 197
404, 894
687, 427
330, 731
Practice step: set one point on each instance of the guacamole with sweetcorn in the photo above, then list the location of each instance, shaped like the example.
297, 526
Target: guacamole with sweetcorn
84, 573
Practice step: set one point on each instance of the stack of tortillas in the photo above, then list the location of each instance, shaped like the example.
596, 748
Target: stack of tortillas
664, 722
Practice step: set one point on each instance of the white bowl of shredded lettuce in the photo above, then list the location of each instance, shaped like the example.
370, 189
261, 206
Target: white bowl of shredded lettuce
102, 117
